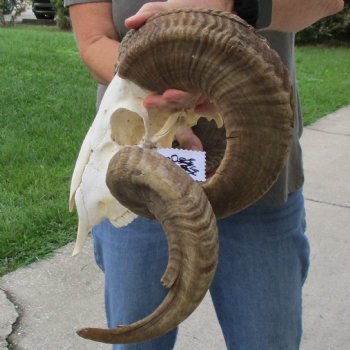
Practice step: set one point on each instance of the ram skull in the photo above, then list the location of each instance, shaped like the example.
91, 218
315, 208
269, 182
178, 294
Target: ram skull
119, 175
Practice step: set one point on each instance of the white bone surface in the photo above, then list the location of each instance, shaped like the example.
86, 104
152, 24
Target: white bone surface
89, 191
121, 120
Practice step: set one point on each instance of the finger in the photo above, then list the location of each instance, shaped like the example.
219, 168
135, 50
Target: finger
145, 12
137, 20
172, 98
182, 99
206, 108
173, 95
155, 101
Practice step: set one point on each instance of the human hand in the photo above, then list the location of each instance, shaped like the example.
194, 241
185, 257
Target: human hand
177, 99
151, 8
174, 100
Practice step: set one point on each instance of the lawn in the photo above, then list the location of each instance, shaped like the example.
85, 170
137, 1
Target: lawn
324, 80
47, 104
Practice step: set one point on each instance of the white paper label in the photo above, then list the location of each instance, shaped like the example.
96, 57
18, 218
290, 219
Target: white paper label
193, 162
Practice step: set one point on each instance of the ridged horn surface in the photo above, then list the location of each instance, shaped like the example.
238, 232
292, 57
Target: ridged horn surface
219, 55
140, 177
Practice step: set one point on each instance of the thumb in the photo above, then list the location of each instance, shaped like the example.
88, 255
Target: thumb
145, 12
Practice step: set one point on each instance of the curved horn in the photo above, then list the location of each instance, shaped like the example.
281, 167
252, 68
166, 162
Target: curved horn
219, 55
135, 176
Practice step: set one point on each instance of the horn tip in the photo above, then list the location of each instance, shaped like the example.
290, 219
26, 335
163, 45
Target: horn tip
83, 332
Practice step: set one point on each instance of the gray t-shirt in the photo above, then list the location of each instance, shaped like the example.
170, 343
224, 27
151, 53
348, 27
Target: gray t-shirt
291, 177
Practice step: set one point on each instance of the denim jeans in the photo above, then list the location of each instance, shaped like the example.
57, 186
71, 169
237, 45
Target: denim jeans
263, 263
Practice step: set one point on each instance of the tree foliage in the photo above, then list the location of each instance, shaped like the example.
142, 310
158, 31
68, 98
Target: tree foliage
62, 15
333, 28
11, 8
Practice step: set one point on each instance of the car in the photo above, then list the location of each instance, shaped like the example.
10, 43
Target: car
43, 9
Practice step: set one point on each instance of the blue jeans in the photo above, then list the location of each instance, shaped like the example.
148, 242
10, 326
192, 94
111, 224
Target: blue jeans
263, 263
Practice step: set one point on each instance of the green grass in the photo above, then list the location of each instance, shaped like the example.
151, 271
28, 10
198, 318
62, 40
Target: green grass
323, 75
47, 102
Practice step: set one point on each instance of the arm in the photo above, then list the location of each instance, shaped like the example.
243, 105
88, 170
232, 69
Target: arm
96, 38
293, 16
282, 15
151, 8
